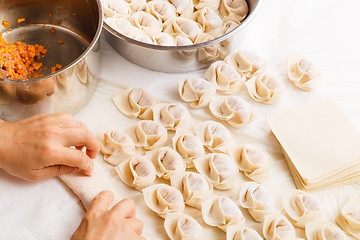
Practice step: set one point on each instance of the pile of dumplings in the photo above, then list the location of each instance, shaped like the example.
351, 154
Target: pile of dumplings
174, 22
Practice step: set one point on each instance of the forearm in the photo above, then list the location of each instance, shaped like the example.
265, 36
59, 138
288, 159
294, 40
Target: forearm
3, 142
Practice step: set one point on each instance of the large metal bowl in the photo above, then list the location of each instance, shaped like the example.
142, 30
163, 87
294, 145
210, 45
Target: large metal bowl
78, 23
182, 58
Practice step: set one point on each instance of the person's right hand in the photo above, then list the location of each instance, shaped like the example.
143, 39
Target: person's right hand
119, 223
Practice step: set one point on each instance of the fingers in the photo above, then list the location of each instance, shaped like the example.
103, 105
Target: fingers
125, 209
52, 171
81, 137
137, 225
102, 201
75, 158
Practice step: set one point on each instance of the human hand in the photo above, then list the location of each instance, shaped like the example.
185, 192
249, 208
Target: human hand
38, 147
118, 223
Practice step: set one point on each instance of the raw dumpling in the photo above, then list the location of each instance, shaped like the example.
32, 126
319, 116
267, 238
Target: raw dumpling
116, 8
188, 146
145, 22
277, 227
256, 199
322, 230
193, 186
208, 53
218, 168
264, 88
117, 147
233, 109
242, 233
301, 208
135, 102
172, 115
229, 26
225, 78
150, 134
349, 217
196, 91
183, 7
164, 39
208, 19
162, 10
181, 226
255, 163
181, 40
184, 26
137, 172
167, 162
137, 5
213, 4
163, 199
214, 136
121, 25
221, 212
140, 36
235, 10
247, 62
303, 74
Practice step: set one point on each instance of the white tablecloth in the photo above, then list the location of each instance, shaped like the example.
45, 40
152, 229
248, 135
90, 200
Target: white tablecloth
325, 31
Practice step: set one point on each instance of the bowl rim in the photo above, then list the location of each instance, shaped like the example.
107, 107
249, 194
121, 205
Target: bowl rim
246, 21
73, 63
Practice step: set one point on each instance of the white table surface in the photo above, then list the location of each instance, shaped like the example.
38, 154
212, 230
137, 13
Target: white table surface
325, 31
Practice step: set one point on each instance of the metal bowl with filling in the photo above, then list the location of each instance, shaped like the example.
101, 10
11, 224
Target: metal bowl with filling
174, 59
69, 30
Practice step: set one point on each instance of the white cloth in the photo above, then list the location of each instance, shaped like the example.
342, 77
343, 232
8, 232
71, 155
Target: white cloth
325, 31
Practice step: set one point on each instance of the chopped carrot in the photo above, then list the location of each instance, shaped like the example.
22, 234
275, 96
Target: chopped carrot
50, 14
45, 68
53, 31
58, 66
6, 24
43, 52
53, 69
19, 20
61, 41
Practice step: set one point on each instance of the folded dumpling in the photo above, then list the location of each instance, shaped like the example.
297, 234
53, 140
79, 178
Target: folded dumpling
255, 163
116, 8
302, 73
167, 162
233, 109
264, 88
188, 146
242, 233
163, 199
208, 53
137, 5
172, 115
184, 26
150, 134
121, 25
349, 216
213, 4
234, 10
182, 226
225, 78
162, 10
257, 199
247, 62
137, 172
145, 22
193, 186
221, 212
302, 207
322, 230
117, 146
218, 168
141, 36
214, 136
208, 19
196, 91
164, 39
277, 227
183, 7
135, 102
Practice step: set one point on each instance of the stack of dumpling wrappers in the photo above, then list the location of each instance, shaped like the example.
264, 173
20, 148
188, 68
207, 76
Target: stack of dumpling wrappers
320, 145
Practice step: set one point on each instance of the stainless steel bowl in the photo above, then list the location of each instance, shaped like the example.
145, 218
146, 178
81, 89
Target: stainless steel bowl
78, 23
182, 58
